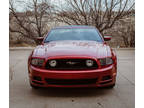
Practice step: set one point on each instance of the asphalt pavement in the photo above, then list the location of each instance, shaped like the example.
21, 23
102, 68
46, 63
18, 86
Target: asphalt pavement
23, 96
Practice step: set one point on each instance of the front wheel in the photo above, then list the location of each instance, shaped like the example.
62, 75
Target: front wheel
33, 86
111, 86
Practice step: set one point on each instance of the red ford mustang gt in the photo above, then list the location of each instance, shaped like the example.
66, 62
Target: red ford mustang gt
73, 56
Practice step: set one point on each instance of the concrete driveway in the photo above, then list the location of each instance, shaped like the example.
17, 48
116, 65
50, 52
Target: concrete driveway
23, 96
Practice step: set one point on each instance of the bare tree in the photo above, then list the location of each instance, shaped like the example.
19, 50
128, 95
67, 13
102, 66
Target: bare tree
99, 13
32, 22
128, 34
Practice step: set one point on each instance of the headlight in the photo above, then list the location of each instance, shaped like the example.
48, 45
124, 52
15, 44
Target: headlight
37, 62
106, 61
52, 63
89, 63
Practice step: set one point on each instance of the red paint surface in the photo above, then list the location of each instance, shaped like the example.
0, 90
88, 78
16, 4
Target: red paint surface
72, 48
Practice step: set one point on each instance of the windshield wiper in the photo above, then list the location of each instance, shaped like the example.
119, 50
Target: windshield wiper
48, 41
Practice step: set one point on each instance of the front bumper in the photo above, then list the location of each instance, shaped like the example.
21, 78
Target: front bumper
84, 78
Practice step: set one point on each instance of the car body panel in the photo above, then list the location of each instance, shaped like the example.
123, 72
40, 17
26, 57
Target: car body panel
111, 71
61, 48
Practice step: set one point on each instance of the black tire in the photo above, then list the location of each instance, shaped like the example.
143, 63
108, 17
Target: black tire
34, 87
111, 86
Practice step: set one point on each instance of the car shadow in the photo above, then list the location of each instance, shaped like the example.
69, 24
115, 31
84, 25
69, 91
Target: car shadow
70, 92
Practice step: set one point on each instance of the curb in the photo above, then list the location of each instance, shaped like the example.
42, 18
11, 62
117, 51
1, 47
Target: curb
31, 48
123, 48
21, 48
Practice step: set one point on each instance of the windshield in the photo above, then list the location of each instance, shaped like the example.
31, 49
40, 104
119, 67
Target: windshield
73, 34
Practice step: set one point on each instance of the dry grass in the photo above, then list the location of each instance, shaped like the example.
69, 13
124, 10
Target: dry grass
21, 45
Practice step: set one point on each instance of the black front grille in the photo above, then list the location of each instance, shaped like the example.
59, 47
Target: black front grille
71, 64
71, 81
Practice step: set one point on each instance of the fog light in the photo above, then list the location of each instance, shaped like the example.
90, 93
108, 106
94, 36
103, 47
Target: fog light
89, 63
108, 77
38, 78
52, 63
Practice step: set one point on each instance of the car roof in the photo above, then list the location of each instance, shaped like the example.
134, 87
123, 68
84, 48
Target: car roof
74, 26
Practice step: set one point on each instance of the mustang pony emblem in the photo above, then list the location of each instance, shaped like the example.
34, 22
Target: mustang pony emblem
71, 63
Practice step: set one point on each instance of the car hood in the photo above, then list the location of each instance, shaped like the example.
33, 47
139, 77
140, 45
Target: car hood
72, 48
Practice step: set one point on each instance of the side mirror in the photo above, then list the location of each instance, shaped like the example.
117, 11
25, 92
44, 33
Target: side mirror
40, 39
107, 38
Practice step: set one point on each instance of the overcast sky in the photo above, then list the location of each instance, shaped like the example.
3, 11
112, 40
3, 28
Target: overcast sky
19, 6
